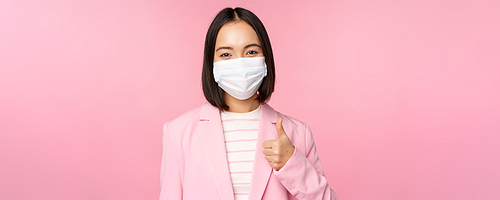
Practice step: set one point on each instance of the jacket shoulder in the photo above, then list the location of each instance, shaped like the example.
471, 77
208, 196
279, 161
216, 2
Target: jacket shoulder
189, 115
291, 121
186, 121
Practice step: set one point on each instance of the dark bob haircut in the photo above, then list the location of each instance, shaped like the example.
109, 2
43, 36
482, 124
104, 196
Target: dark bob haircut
213, 93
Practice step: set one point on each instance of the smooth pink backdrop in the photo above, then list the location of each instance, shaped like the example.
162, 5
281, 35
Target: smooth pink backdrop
407, 93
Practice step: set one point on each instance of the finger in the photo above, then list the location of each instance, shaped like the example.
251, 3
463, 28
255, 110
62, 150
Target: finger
269, 159
267, 152
279, 128
268, 144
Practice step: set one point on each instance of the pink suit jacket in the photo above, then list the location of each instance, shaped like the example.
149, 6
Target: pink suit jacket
194, 164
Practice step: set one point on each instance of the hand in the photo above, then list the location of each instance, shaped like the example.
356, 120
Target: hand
280, 150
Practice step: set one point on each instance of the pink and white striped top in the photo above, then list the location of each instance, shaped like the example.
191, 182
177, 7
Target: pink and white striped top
240, 134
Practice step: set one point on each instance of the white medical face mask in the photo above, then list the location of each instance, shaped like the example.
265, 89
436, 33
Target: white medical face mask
240, 77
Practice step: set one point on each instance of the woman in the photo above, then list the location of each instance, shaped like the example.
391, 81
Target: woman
236, 146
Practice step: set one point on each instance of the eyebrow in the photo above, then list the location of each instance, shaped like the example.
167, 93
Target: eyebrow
231, 48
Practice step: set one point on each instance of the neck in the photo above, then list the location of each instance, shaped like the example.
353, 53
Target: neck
241, 106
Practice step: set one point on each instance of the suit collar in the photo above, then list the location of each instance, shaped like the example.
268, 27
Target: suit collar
269, 113
261, 171
212, 142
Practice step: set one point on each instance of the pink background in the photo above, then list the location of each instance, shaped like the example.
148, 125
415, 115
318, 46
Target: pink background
402, 96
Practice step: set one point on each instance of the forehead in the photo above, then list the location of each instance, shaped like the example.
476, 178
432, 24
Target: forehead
236, 34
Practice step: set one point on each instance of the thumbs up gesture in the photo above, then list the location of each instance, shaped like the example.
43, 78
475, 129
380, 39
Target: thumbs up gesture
280, 150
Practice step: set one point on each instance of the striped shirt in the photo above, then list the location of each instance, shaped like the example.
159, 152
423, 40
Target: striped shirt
240, 135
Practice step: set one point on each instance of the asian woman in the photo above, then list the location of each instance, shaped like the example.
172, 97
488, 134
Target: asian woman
236, 146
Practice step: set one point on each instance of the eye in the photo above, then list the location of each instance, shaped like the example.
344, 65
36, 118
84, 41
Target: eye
252, 52
224, 55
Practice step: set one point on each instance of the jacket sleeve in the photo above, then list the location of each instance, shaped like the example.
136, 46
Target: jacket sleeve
303, 174
170, 172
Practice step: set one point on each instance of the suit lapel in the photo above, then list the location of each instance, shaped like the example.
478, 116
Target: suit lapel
261, 169
212, 142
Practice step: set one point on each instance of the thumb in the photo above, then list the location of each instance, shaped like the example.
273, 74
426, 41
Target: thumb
279, 128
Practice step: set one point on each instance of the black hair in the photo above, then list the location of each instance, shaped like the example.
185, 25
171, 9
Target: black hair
213, 93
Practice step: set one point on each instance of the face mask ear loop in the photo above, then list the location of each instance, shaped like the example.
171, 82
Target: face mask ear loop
265, 69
